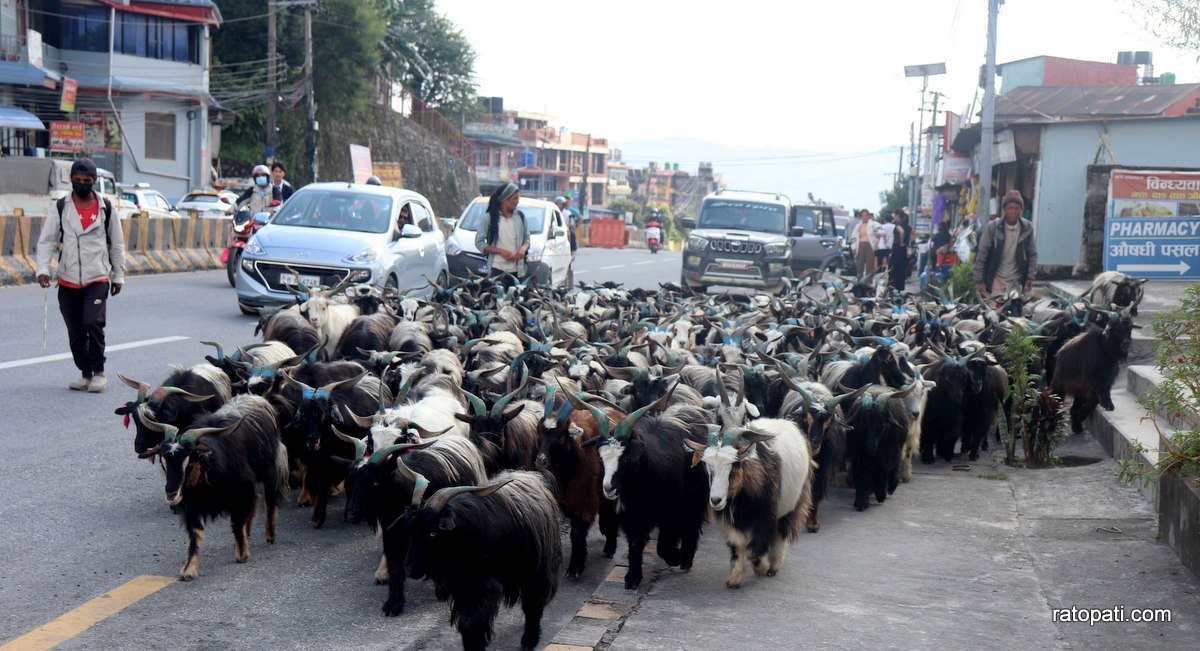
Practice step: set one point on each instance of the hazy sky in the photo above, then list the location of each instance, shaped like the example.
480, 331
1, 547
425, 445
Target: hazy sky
795, 75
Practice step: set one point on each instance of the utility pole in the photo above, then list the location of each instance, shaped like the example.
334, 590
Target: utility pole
899, 168
915, 189
989, 116
587, 164
310, 80
270, 149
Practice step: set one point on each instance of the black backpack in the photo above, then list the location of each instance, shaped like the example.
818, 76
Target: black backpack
107, 219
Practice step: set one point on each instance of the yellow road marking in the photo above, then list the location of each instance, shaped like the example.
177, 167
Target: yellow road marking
74, 622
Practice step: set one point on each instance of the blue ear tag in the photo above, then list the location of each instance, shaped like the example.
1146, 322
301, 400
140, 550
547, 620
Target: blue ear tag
308, 394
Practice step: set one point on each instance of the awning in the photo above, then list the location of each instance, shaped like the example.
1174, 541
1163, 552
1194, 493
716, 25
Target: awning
199, 11
123, 84
12, 117
23, 73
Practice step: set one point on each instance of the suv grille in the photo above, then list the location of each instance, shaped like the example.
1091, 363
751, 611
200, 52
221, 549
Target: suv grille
734, 246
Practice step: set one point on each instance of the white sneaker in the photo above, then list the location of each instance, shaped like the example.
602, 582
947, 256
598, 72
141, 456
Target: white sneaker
80, 384
98, 384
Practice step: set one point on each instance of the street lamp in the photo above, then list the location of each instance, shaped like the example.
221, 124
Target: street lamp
924, 71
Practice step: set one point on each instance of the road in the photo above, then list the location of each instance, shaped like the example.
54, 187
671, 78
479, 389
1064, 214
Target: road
976, 557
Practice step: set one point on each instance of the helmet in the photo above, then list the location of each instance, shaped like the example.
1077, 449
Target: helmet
560, 200
260, 169
374, 180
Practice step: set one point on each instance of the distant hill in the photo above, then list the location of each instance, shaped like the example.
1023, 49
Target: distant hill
852, 179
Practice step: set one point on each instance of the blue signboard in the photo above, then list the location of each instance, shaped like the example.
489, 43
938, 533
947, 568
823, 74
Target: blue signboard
1153, 224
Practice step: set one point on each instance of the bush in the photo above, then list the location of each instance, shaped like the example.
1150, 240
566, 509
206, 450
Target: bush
1033, 415
1178, 359
962, 283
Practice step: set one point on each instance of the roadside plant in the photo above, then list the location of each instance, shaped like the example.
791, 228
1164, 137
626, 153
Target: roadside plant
1177, 357
962, 283
1027, 412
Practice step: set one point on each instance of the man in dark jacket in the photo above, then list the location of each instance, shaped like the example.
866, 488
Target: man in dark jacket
1007, 251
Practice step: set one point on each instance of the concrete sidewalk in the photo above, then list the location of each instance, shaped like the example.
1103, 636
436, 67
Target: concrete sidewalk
954, 559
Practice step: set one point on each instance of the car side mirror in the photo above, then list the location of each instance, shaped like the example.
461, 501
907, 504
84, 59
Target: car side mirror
687, 222
409, 231
262, 218
558, 232
797, 231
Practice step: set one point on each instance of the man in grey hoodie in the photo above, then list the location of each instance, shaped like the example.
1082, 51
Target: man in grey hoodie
91, 265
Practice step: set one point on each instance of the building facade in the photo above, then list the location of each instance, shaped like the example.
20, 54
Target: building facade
140, 73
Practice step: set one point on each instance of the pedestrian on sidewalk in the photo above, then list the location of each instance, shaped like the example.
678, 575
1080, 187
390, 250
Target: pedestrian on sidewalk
883, 243
504, 237
91, 265
861, 236
901, 234
1007, 255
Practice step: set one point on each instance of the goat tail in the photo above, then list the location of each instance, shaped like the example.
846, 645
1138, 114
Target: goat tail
799, 516
282, 471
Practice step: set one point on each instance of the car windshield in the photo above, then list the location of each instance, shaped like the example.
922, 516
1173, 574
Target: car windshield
743, 215
535, 218
344, 211
201, 198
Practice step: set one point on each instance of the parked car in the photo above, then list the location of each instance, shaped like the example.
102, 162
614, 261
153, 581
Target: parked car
819, 247
549, 257
139, 199
213, 204
743, 239
328, 232
32, 186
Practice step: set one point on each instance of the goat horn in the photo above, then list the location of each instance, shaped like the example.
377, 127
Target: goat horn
625, 427
341, 384
143, 389
186, 395
428, 434
220, 351
603, 423
360, 446
152, 425
440, 499
477, 405
852, 396
361, 421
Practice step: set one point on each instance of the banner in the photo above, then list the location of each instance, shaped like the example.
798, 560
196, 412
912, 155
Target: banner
1153, 225
70, 88
389, 173
100, 132
66, 136
360, 163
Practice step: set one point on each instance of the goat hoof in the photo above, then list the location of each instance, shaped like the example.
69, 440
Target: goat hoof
732, 586
187, 576
1108, 407
393, 608
860, 507
812, 528
631, 584
772, 572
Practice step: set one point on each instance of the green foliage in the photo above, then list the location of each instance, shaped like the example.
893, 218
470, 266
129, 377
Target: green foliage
897, 197
962, 283
427, 53
1178, 359
1032, 415
622, 206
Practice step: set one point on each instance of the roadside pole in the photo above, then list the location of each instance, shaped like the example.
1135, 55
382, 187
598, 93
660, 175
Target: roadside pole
989, 117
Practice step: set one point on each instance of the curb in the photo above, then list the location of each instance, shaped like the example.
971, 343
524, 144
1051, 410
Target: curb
600, 618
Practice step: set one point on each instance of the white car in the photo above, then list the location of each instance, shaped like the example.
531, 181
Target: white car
549, 258
139, 200
214, 204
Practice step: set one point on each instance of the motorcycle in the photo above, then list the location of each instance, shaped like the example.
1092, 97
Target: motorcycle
243, 225
652, 238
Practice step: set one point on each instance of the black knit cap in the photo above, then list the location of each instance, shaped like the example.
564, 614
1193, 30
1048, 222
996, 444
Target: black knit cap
83, 166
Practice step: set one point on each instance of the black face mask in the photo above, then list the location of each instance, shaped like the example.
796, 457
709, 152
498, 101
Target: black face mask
82, 190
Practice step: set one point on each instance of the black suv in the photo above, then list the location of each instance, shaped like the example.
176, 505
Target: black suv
743, 239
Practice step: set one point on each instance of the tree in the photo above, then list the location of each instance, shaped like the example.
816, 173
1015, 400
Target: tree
895, 198
428, 54
622, 206
1174, 22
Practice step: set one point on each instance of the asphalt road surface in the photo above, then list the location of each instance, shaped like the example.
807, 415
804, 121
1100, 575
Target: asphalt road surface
976, 557
83, 516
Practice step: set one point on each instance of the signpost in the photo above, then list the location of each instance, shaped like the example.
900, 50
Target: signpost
1153, 224
69, 89
66, 136
360, 163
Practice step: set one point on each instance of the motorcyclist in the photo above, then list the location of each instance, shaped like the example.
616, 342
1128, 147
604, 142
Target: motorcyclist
654, 228
260, 196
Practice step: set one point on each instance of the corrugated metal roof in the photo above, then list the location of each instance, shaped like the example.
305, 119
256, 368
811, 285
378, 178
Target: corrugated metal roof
1067, 102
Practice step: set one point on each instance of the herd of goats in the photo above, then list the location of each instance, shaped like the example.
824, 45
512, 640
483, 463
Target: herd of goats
462, 426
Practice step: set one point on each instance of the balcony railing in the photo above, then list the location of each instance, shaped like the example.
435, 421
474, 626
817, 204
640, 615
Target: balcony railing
442, 129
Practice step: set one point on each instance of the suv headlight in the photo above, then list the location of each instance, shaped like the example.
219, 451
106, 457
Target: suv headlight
778, 248
696, 242
452, 247
253, 247
366, 256
534, 255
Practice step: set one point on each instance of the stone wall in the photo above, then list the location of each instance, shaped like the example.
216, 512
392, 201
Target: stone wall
427, 166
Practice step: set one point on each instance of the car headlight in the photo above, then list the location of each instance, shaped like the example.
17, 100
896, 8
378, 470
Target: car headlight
778, 248
366, 256
253, 247
453, 247
534, 255
696, 242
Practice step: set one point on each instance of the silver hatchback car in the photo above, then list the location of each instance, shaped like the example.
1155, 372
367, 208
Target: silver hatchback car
328, 232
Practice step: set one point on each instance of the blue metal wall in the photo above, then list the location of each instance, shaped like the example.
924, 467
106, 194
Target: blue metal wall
1030, 72
1068, 149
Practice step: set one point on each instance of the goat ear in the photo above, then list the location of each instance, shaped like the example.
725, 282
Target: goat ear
752, 410
513, 413
446, 522
592, 442
695, 459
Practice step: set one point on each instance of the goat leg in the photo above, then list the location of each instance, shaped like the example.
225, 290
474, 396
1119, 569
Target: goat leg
533, 607
637, 545
609, 526
579, 531
191, 568
395, 549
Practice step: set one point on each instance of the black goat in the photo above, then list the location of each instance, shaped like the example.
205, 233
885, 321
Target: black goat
292, 329
1088, 365
366, 333
481, 545
184, 395
212, 467
878, 421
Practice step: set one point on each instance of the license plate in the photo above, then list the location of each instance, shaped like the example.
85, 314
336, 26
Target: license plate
286, 278
738, 265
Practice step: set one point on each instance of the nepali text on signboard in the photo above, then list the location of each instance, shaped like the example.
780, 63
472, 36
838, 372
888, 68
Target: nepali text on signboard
389, 173
66, 136
360, 163
100, 131
69, 90
1153, 224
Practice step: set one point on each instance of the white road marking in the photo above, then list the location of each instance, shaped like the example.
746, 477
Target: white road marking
56, 358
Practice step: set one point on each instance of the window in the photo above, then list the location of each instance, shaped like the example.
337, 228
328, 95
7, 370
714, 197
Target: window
85, 28
160, 136
156, 38
422, 217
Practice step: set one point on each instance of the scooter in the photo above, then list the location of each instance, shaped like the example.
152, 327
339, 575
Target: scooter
243, 225
652, 238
